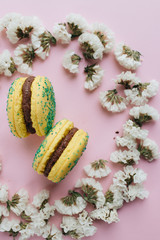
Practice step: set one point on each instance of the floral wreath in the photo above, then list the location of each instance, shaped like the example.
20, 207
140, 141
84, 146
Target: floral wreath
95, 41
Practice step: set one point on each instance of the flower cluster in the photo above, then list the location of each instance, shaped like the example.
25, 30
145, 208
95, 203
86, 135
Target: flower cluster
144, 114
126, 157
92, 191
105, 35
97, 169
71, 204
34, 217
127, 79
132, 130
3, 193
126, 141
105, 214
135, 92
149, 149
130, 183
94, 76
135, 139
7, 64
91, 46
24, 57
20, 27
60, 33
71, 61
141, 92
77, 24
112, 101
78, 227
128, 58
42, 40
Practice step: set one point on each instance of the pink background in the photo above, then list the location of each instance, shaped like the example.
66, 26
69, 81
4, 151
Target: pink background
135, 22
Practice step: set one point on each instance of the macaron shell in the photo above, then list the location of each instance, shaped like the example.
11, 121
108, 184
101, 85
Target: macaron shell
14, 109
59, 131
42, 105
69, 157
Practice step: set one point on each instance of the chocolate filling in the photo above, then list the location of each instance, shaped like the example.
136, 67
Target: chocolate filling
26, 103
59, 150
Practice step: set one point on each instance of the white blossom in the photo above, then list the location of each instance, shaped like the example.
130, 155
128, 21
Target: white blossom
137, 191
55, 234
30, 210
7, 19
7, 65
41, 40
113, 102
94, 76
60, 33
26, 232
139, 176
47, 211
4, 211
19, 201
78, 227
84, 218
125, 157
46, 231
91, 46
71, 204
130, 59
3, 193
140, 93
105, 35
130, 177
71, 61
149, 149
126, 141
97, 169
21, 28
38, 223
40, 197
114, 197
144, 114
69, 224
127, 79
89, 181
24, 56
7, 225
77, 24
105, 214
133, 130
93, 191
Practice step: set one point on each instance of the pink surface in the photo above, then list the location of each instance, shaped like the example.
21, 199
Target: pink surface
136, 23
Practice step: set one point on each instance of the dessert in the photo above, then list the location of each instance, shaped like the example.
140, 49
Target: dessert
31, 106
60, 150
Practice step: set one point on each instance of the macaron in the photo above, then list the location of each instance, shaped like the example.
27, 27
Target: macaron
31, 106
60, 151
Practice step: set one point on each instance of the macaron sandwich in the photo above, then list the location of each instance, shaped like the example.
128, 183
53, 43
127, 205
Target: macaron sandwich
60, 150
31, 106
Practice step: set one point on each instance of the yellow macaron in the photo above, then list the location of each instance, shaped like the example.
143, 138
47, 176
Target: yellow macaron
60, 150
31, 106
